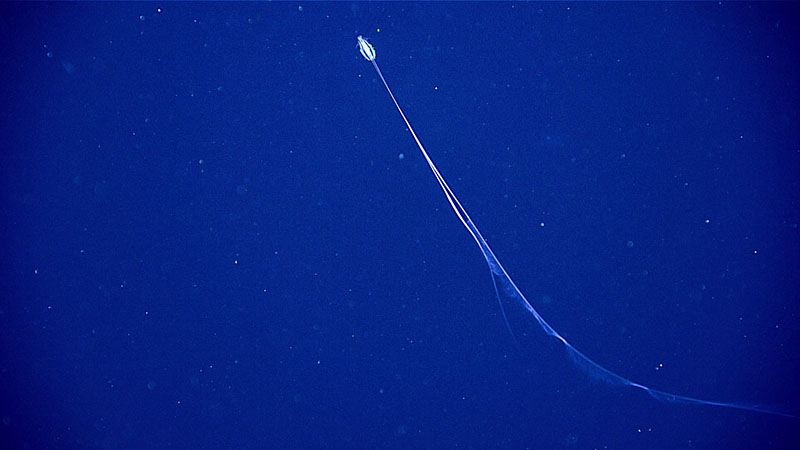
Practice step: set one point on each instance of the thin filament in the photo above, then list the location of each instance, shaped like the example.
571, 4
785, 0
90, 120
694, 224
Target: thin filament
499, 275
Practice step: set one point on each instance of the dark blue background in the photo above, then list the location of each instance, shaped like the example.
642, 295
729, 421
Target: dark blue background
211, 240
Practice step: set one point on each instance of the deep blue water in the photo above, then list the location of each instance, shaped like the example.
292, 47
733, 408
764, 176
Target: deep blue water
217, 232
